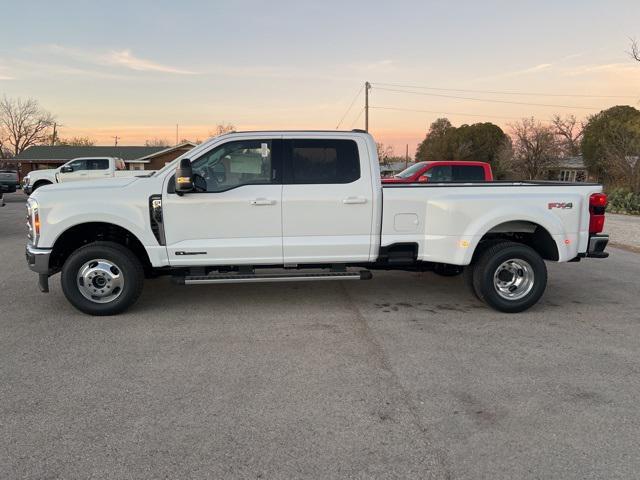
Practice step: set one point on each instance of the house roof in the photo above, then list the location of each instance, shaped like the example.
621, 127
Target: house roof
570, 162
63, 153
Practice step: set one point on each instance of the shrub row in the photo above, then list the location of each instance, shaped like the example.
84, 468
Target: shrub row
623, 201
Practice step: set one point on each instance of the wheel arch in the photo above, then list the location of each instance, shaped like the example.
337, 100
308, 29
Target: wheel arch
85, 233
528, 232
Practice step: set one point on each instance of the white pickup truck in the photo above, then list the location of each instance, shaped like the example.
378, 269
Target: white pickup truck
84, 168
302, 206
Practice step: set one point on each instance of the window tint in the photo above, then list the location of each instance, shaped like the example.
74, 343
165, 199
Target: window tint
441, 173
233, 164
97, 164
468, 173
322, 161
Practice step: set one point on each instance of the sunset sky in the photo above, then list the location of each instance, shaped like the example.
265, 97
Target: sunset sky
135, 69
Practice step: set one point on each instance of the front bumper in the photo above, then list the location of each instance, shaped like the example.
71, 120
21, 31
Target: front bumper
27, 189
38, 261
597, 244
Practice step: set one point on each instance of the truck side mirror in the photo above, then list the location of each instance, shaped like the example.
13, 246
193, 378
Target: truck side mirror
184, 177
66, 169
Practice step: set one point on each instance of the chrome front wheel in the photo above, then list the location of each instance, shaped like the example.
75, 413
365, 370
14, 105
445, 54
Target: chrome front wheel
100, 280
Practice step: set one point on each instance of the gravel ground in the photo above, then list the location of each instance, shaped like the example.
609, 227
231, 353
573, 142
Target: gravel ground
403, 376
624, 230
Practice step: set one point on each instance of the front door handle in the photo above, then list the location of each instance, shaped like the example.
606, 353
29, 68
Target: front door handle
262, 201
354, 200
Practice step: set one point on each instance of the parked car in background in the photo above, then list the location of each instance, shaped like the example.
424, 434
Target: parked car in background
303, 206
10, 180
443, 171
89, 168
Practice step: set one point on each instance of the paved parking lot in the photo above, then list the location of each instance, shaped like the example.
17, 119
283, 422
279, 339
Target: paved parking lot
404, 376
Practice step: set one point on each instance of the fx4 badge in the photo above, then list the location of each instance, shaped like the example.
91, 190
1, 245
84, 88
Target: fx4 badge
560, 205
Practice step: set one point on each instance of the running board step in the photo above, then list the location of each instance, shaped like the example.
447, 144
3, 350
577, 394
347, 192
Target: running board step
271, 277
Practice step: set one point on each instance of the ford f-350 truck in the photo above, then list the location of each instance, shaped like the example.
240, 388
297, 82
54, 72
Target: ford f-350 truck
303, 206
76, 170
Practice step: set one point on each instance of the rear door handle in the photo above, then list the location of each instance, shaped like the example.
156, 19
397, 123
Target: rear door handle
354, 200
262, 201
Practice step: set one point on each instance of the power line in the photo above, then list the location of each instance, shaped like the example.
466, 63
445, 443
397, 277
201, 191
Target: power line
487, 100
357, 118
444, 113
350, 107
502, 92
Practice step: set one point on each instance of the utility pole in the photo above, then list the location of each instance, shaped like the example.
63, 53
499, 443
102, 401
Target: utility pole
367, 87
53, 137
406, 157
176, 134
116, 138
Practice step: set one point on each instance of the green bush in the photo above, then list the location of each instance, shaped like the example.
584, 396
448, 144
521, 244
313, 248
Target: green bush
623, 201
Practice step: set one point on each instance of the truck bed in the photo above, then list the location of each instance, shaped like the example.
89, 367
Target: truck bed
447, 220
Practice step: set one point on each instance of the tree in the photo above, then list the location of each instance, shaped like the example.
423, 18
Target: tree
23, 123
534, 147
222, 128
384, 153
611, 145
157, 142
435, 146
76, 142
482, 142
569, 133
635, 50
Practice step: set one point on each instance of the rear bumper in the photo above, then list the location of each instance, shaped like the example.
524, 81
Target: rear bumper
597, 244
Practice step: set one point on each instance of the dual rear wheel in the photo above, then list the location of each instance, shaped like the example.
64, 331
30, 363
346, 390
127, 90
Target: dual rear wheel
508, 276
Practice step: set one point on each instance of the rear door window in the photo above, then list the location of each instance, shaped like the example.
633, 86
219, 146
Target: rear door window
468, 173
97, 164
322, 161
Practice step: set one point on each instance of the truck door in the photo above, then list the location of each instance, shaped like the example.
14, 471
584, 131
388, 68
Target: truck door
327, 201
237, 219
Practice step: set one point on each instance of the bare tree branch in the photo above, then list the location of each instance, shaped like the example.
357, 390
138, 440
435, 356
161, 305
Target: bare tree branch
534, 147
23, 123
569, 133
635, 50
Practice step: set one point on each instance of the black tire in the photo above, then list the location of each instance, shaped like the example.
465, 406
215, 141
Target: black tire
39, 184
489, 262
467, 275
128, 266
446, 270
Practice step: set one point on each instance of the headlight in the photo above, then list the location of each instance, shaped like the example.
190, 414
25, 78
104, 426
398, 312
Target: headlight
33, 221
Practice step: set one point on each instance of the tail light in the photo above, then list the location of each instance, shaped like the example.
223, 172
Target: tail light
597, 207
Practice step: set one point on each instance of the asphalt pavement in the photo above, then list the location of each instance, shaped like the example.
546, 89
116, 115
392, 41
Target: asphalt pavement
403, 376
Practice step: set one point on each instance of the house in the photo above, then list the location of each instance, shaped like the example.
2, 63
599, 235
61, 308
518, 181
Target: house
135, 157
570, 169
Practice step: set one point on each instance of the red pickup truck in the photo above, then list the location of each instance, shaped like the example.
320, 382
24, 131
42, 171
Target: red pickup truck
444, 171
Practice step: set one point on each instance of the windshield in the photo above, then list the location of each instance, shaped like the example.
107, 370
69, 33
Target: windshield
411, 171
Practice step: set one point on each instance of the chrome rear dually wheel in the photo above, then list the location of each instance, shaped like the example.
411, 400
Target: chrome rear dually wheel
509, 276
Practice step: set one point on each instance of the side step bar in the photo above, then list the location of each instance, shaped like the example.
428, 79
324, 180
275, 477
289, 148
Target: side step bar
270, 277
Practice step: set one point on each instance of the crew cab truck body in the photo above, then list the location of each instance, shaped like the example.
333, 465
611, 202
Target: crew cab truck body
78, 169
439, 171
282, 206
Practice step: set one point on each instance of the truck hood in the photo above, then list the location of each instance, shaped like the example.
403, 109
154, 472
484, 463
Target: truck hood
89, 185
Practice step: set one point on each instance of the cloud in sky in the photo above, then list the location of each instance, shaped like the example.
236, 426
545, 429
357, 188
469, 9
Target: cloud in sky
126, 59
119, 58
516, 73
